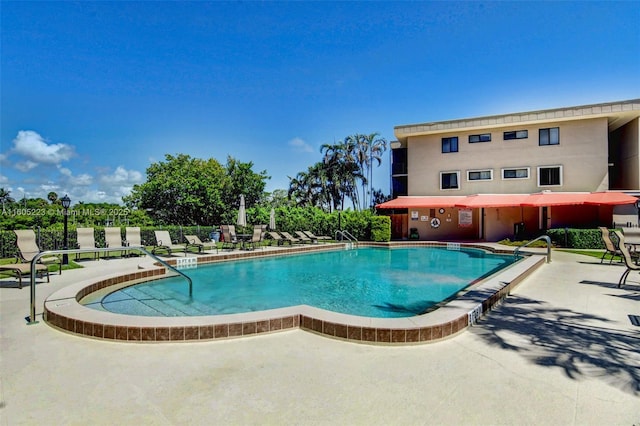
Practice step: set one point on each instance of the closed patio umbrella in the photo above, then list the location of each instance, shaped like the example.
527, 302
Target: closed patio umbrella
242, 214
272, 220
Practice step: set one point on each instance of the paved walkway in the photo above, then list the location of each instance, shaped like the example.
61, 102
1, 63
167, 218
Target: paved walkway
561, 350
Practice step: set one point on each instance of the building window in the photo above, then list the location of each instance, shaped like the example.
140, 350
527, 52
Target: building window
485, 137
450, 144
550, 176
399, 186
480, 174
549, 136
399, 161
449, 180
519, 173
518, 134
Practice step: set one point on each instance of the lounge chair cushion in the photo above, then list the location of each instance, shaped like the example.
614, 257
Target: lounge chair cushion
21, 269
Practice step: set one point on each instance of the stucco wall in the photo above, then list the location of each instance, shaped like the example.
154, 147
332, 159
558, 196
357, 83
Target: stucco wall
582, 153
449, 227
625, 156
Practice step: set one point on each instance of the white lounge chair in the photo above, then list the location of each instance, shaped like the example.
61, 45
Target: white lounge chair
164, 243
113, 238
28, 249
85, 238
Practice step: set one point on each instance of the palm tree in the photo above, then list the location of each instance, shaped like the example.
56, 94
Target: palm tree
312, 187
367, 149
52, 197
5, 197
343, 172
300, 189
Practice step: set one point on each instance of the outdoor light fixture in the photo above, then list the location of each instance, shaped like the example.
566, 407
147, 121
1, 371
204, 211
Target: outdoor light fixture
66, 202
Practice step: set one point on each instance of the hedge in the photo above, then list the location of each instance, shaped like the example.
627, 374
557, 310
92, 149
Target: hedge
380, 228
363, 225
53, 239
576, 238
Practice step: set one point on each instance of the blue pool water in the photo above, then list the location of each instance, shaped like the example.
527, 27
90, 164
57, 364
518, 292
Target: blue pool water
374, 282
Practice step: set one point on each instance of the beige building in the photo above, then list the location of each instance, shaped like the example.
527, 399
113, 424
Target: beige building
583, 149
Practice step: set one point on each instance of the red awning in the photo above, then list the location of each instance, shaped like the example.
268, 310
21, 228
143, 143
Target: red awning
610, 198
547, 199
540, 199
414, 202
492, 200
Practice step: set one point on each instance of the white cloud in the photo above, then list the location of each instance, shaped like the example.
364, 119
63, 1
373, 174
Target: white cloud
25, 166
80, 180
115, 185
35, 148
50, 168
50, 187
121, 176
299, 145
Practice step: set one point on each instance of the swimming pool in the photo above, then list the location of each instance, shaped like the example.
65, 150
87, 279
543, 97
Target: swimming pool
368, 282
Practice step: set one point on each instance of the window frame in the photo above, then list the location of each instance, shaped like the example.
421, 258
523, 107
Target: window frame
549, 141
517, 134
480, 136
479, 171
528, 169
450, 139
560, 175
448, 172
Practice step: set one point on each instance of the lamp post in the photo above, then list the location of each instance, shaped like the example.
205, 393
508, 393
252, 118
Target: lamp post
66, 202
340, 222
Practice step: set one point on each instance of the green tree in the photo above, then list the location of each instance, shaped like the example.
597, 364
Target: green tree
342, 172
242, 180
367, 150
312, 188
181, 190
5, 197
52, 197
190, 191
277, 198
346, 166
378, 197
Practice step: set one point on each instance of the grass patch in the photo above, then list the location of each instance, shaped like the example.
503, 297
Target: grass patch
52, 267
538, 244
592, 253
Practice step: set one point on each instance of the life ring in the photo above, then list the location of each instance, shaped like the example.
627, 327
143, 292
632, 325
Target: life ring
435, 222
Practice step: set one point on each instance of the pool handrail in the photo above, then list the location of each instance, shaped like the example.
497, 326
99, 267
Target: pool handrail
31, 319
541, 237
346, 235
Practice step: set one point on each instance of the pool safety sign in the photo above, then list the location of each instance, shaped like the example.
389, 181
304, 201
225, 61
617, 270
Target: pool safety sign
465, 218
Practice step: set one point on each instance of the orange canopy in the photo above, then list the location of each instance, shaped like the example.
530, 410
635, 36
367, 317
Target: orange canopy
492, 200
540, 199
555, 199
610, 198
414, 202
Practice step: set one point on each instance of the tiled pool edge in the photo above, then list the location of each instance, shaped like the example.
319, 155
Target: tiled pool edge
62, 311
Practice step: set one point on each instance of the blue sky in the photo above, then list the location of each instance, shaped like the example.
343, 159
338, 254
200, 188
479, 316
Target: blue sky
94, 92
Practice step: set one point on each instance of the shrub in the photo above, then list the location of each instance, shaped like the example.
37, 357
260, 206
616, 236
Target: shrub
381, 228
576, 238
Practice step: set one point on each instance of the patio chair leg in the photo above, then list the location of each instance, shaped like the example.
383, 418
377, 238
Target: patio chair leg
623, 278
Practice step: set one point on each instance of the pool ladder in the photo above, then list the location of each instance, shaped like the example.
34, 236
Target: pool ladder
546, 238
346, 235
31, 319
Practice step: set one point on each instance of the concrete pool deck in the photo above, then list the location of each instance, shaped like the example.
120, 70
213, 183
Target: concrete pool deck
561, 349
